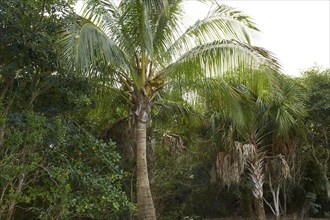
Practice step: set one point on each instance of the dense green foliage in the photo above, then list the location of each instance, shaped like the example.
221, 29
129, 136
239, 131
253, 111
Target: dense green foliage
52, 165
53, 169
316, 178
67, 147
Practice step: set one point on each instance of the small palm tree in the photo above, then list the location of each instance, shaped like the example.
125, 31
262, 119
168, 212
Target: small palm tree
272, 119
137, 46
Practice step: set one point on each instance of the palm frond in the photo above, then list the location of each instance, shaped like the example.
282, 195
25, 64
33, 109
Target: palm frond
110, 102
222, 23
99, 10
86, 46
106, 16
172, 108
167, 29
136, 27
220, 57
231, 165
287, 107
159, 5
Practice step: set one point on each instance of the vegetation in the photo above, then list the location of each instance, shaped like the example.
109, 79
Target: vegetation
121, 113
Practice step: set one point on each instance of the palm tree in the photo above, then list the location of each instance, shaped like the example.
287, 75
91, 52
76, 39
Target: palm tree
270, 121
138, 45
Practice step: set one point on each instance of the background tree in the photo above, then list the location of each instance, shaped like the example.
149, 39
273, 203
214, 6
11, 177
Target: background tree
316, 183
46, 147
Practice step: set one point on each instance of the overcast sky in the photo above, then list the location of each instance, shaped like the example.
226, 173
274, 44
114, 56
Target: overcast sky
298, 32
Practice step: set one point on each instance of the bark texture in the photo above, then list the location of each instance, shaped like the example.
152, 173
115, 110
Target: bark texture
257, 177
327, 185
146, 209
259, 209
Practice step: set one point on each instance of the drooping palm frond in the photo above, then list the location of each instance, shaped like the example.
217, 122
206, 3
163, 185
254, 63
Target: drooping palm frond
136, 27
220, 57
175, 143
166, 30
111, 18
231, 165
277, 165
222, 23
86, 46
167, 109
100, 11
159, 5
233, 14
105, 15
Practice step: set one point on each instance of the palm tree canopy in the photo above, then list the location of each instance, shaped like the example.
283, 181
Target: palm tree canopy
142, 41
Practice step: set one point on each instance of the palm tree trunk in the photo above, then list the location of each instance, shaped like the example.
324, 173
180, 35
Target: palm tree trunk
146, 209
257, 177
259, 209
247, 203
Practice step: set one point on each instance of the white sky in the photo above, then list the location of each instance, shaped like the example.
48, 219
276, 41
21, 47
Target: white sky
297, 32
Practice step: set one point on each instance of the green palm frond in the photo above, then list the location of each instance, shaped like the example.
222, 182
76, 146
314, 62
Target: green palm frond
222, 23
281, 108
291, 110
219, 57
233, 14
110, 19
258, 81
215, 94
159, 5
175, 113
87, 46
136, 27
110, 102
105, 15
99, 10
167, 29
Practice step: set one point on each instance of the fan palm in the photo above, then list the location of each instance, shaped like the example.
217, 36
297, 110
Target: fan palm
138, 45
272, 118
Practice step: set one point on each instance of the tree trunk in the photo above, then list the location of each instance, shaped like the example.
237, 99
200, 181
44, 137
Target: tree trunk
247, 203
11, 210
12, 206
146, 209
257, 177
259, 209
2, 132
327, 185
284, 199
277, 202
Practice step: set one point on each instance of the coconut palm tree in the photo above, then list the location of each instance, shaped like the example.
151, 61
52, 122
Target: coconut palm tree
137, 46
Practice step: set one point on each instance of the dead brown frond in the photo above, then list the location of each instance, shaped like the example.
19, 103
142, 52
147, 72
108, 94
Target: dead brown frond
230, 165
174, 142
277, 169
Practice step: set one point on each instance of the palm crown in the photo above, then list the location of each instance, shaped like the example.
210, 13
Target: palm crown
142, 41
